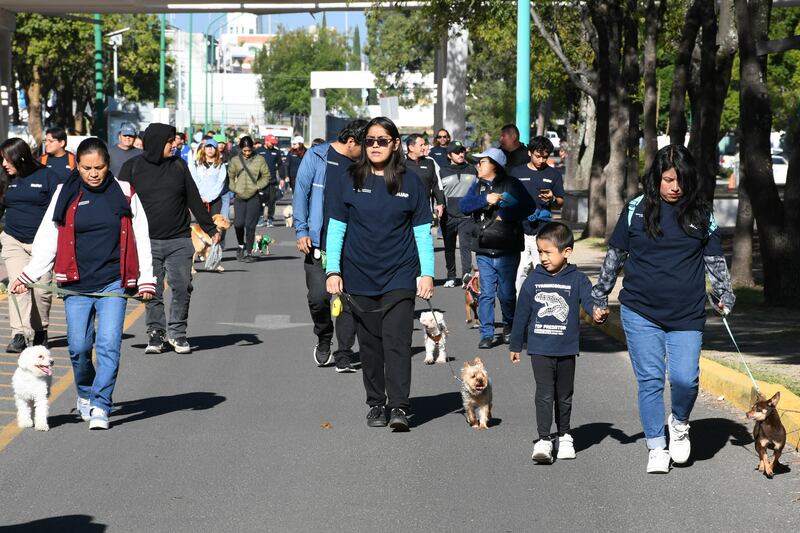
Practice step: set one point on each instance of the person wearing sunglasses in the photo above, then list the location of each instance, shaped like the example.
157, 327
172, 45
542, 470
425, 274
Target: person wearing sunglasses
380, 254
439, 150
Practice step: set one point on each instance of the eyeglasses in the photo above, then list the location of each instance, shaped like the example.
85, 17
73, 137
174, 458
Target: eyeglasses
383, 142
442, 136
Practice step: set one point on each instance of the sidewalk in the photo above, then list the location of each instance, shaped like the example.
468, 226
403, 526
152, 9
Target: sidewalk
768, 338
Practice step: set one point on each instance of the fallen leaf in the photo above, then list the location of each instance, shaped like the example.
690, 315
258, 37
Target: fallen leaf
326, 425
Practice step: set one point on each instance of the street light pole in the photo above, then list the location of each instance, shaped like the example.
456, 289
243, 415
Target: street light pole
523, 118
99, 93
191, 39
208, 28
162, 63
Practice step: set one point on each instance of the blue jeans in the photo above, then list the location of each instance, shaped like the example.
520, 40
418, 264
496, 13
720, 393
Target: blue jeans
653, 350
95, 384
497, 280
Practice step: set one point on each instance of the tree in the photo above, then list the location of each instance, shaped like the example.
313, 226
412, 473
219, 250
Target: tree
285, 68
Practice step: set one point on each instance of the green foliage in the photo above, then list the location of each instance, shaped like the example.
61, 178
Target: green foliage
138, 57
286, 66
783, 78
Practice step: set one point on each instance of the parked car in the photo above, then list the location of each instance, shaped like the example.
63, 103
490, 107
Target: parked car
554, 138
779, 169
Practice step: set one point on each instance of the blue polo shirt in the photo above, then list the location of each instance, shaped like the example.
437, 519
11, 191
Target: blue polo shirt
60, 165
665, 277
26, 201
533, 180
380, 251
97, 233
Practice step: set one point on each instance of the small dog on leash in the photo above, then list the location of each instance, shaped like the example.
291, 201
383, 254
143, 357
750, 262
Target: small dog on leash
435, 336
202, 242
288, 216
31, 383
261, 244
768, 432
472, 289
476, 393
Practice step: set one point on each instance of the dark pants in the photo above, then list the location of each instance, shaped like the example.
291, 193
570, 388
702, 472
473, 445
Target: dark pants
172, 260
555, 381
319, 304
461, 227
384, 339
272, 198
215, 206
247, 213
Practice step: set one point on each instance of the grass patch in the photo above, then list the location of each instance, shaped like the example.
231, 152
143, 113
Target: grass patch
598, 243
759, 373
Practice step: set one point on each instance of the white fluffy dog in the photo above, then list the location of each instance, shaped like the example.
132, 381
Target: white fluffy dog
288, 216
435, 336
31, 382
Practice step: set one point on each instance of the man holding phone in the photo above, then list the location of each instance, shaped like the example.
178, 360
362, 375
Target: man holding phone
546, 186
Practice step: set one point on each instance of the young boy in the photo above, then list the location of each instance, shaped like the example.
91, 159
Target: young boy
548, 315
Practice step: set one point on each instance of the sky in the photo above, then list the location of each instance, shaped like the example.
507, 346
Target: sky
290, 21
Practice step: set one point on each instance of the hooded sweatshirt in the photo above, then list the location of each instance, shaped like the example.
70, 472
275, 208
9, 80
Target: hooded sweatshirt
165, 187
548, 311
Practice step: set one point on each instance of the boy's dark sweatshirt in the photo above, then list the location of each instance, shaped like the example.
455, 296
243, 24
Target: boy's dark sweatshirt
548, 309
165, 187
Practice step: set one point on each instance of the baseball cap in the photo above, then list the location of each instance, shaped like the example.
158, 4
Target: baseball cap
298, 140
494, 154
212, 142
271, 139
220, 138
126, 128
456, 146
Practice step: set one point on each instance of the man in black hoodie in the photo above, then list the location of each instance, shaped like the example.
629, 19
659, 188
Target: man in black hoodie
168, 192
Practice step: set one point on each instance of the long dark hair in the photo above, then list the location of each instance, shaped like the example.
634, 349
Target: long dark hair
693, 208
395, 167
18, 153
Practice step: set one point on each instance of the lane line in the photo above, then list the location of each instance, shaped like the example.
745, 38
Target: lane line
11, 430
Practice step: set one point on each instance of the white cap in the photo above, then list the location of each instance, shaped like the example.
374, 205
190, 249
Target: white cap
298, 139
493, 153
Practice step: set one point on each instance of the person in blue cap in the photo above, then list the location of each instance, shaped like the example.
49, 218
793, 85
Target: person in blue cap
124, 149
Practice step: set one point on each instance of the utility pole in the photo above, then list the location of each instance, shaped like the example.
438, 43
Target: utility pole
191, 39
99, 93
162, 63
524, 70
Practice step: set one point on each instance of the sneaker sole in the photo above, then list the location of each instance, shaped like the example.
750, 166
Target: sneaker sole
345, 370
327, 362
376, 423
658, 471
398, 425
565, 457
543, 459
179, 349
153, 350
95, 424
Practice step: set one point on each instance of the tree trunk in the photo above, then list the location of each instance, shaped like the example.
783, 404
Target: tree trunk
632, 78
707, 159
680, 78
580, 147
614, 171
654, 18
543, 115
742, 260
778, 222
34, 95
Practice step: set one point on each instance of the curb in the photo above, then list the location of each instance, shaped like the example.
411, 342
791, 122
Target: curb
719, 380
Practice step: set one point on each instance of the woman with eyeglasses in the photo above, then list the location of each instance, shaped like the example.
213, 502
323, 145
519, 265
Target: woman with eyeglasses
26, 188
380, 254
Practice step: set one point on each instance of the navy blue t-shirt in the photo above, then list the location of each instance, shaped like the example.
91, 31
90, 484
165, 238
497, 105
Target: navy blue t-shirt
380, 252
533, 180
335, 172
97, 233
665, 277
60, 165
26, 201
439, 154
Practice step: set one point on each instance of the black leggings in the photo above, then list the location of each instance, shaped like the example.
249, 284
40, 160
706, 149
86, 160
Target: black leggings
555, 381
246, 218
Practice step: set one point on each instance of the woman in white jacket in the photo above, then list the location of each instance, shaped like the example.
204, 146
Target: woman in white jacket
211, 175
95, 237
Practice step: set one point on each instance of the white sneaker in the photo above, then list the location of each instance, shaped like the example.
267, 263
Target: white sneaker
99, 419
566, 450
84, 409
658, 461
679, 445
543, 451
450, 283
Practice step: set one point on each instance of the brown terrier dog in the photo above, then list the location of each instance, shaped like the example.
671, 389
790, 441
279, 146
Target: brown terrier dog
472, 289
202, 242
476, 393
768, 432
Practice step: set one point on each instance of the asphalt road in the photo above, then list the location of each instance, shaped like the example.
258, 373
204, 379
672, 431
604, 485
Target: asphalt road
230, 438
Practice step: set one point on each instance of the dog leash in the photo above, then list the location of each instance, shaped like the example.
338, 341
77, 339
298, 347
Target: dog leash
724, 314
439, 327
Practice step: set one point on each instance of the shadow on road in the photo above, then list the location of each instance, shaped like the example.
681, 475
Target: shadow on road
589, 435
61, 340
427, 408
213, 342
74, 522
160, 405
710, 435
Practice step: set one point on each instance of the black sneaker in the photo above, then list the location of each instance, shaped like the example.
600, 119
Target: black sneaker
398, 420
345, 367
17, 344
507, 334
180, 345
240, 253
322, 353
249, 258
156, 343
40, 338
486, 343
376, 417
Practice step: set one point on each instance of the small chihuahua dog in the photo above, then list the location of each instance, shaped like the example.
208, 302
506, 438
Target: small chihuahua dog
768, 432
476, 393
